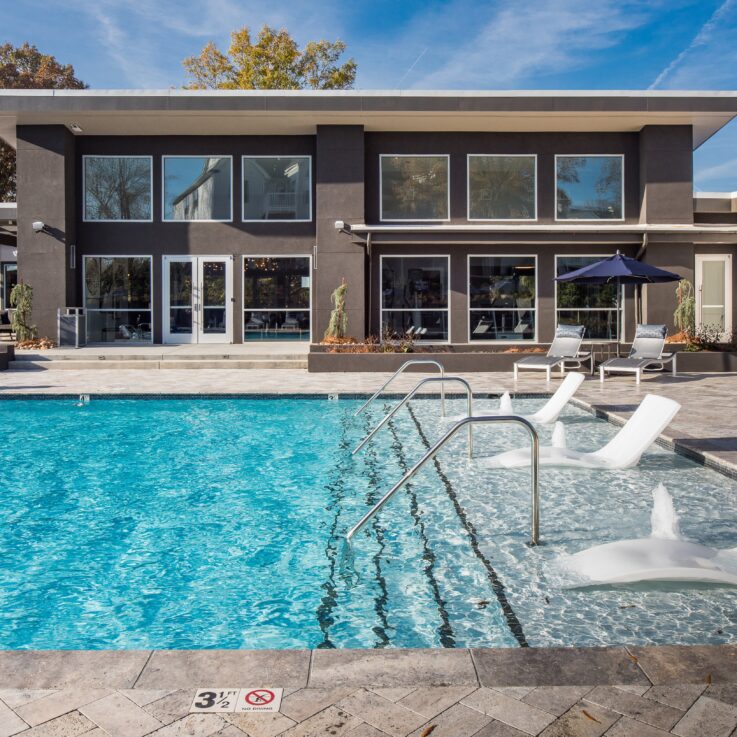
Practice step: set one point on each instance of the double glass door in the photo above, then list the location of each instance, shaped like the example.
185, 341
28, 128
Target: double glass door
198, 299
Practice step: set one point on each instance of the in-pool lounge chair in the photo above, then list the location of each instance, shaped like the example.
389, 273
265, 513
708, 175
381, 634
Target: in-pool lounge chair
646, 352
624, 450
565, 348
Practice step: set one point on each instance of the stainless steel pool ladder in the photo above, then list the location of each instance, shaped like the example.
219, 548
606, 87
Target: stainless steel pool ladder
432, 452
401, 369
430, 380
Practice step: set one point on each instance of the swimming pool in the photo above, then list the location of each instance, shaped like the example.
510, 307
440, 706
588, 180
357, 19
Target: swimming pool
203, 523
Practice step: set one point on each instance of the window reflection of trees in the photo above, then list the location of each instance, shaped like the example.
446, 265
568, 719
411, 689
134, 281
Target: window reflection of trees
414, 187
117, 188
603, 202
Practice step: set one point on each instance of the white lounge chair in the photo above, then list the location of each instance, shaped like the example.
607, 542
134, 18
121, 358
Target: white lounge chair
646, 352
565, 348
624, 450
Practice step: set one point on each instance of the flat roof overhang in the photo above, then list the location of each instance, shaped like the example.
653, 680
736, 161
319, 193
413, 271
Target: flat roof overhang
294, 112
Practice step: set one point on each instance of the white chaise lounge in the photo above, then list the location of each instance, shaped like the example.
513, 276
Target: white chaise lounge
646, 352
565, 348
624, 450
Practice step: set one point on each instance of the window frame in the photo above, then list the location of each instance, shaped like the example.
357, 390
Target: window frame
470, 309
150, 258
382, 219
243, 191
381, 290
150, 158
622, 301
587, 220
468, 189
164, 157
245, 256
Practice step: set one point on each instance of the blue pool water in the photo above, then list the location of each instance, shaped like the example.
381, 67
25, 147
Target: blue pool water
202, 523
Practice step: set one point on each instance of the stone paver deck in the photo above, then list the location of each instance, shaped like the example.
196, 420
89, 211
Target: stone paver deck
617, 691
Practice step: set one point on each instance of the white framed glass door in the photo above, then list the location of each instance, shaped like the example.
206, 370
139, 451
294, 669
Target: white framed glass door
714, 292
198, 299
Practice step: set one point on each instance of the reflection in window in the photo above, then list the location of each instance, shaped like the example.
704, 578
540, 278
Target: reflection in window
502, 297
117, 297
10, 279
277, 188
501, 188
591, 305
414, 188
276, 298
197, 188
414, 297
117, 187
589, 187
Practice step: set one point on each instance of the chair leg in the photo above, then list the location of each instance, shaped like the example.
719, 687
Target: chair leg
547, 374
601, 374
674, 366
515, 371
638, 374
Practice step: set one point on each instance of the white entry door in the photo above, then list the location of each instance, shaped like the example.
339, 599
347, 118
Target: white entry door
714, 291
198, 304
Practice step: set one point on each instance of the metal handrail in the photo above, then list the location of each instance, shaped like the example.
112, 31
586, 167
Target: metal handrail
432, 452
411, 393
406, 364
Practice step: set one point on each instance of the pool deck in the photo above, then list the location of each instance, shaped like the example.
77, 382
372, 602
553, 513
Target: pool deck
617, 691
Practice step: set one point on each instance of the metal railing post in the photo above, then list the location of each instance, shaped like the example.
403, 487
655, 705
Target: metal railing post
433, 451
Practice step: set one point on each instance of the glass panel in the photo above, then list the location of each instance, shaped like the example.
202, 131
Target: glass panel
213, 319
180, 320
197, 188
414, 282
276, 188
213, 283
589, 187
180, 283
502, 324
117, 282
501, 187
507, 281
424, 325
117, 188
10, 279
712, 283
129, 326
600, 324
583, 295
276, 325
276, 283
414, 188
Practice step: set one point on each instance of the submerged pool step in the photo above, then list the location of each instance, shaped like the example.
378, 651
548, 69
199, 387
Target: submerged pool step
209, 362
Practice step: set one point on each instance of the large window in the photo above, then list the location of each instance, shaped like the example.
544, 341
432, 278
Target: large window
117, 188
502, 187
10, 279
277, 188
502, 297
117, 295
414, 188
589, 187
276, 298
591, 305
414, 297
198, 188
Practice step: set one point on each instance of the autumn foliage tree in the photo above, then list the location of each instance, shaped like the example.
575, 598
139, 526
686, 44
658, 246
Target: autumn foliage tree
25, 67
274, 61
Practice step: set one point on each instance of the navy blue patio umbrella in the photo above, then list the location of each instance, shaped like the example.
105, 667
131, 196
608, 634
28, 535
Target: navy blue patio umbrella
620, 270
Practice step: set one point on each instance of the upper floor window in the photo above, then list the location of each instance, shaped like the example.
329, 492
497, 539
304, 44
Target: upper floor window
117, 188
277, 188
589, 187
414, 187
198, 188
502, 187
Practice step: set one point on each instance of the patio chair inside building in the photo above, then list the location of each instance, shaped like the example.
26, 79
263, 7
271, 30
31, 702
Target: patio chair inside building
646, 353
564, 352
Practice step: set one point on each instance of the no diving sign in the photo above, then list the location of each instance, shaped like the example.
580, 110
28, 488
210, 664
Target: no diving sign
238, 700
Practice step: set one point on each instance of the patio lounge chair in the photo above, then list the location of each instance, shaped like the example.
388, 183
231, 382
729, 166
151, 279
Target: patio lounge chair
646, 352
624, 450
565, 348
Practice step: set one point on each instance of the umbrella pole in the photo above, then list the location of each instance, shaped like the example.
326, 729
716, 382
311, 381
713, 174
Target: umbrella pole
619, 315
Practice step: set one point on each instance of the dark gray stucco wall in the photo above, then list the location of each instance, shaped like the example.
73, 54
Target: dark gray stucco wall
340, 196
46, 176
659, 300
666, 174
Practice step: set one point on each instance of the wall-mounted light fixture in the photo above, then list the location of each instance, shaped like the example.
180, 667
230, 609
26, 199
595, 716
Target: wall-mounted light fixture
39, 227
75, 127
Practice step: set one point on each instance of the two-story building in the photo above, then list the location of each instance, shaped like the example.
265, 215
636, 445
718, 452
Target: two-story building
208, 216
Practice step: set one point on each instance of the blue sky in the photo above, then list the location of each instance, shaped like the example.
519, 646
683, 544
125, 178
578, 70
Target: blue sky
461, 44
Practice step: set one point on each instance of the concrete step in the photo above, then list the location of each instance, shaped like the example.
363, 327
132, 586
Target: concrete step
46, 357
206, 363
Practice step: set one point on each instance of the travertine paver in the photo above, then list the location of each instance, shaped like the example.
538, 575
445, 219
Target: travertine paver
120, 717
627, 727
366, 730
582, 720
458, 721
430, 701
332, 721
645, 710
681, 696
499, 729
171, 707
707, 718
505, 709
16, 697
555, 699
726, 692
666, 664
261, 725
393, 694
57, 703
197, 725
10, 722
68, 725
142, 696
305, 702
385, 715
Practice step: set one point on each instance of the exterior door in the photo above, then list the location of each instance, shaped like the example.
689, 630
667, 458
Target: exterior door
198, 299
714, 292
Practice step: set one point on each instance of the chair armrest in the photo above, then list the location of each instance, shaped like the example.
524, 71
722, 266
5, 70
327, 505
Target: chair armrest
583, 354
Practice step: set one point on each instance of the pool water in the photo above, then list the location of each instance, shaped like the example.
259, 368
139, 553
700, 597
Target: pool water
203, 523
